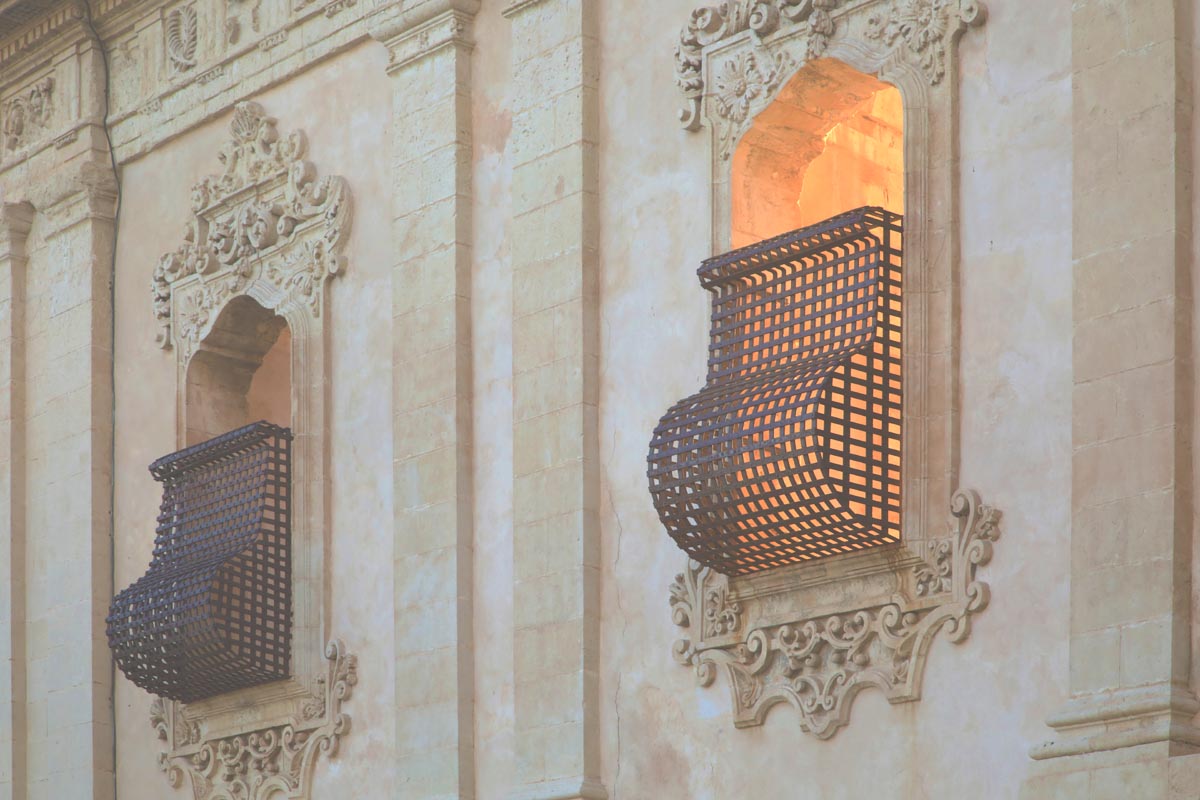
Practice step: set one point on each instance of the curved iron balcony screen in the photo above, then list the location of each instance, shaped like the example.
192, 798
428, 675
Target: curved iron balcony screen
213, 613
791, 451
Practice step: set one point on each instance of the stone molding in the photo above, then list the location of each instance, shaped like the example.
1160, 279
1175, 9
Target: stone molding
818, 639
16, 220
571, 789
264, 227
268, 228
1122, 718
423, 31
271, 761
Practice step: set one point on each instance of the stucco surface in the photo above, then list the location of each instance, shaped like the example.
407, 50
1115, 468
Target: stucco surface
343, 105
984, 702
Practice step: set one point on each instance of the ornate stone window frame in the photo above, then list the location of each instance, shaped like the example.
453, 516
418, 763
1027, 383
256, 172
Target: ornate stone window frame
816, 634
269, 229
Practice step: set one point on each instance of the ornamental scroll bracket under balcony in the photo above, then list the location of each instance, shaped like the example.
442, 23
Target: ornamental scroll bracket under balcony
266, 227
815, 636
733, 57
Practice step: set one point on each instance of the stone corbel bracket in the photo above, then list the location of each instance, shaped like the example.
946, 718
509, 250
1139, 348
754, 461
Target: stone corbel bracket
275, 760
733, 56
810, 644
265, 227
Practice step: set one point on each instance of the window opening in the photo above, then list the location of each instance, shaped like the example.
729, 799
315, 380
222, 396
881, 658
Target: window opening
792, 450
213, 613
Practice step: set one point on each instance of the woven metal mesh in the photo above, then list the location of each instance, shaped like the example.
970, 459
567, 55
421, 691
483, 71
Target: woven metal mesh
791, 451
213, 612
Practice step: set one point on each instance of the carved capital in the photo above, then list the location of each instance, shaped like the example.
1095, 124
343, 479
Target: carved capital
15, 221
414, 31
733, 56
817, 646
266, 226
274, 761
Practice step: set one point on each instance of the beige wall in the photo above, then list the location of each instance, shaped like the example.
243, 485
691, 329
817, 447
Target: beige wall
985, 703
343, 105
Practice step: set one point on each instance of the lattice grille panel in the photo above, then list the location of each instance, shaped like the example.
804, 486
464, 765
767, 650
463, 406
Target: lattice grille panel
213, 613
791, 451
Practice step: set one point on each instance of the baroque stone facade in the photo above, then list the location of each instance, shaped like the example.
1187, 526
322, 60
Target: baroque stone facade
478, 223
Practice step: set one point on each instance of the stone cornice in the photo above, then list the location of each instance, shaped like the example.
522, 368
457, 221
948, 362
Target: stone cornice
520, 5
408, 44
394, 23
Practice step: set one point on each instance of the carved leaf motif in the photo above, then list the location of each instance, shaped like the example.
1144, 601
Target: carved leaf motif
182, 33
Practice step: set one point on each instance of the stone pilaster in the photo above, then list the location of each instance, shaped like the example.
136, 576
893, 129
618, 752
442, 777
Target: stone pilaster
555, 392
1131, 664
15, 221
430, 64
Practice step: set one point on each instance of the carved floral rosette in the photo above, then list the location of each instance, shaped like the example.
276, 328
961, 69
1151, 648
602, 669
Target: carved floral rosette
734, 56
264, 227
273, 761
773, 652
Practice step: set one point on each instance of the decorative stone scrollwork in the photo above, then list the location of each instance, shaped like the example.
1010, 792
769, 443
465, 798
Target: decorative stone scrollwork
27, 114
183, 28
273, 761
816, 647
773, 36
266, 224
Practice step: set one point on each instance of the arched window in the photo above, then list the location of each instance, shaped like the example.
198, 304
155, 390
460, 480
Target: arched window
792, 450
240, 373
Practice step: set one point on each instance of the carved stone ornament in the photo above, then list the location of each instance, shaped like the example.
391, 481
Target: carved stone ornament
818, 636
266, 226
734, 55
183, 28
273, 761
27, 114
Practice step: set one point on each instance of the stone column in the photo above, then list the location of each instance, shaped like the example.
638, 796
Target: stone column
1131, 665
556, 527
15, 220
68, 493
430, 64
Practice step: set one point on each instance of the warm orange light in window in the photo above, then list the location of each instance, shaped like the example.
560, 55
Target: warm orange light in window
834, 140
831, 141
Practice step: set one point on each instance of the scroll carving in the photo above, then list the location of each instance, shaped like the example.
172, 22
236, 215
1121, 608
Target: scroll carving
819, 661
27, 114
761, 43
266, 222
273, 761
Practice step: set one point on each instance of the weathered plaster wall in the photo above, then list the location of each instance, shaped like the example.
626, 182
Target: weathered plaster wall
985, 702
492, 294
343, 105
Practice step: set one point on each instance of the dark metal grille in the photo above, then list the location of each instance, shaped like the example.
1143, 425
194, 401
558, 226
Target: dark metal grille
791, 451
213, 613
